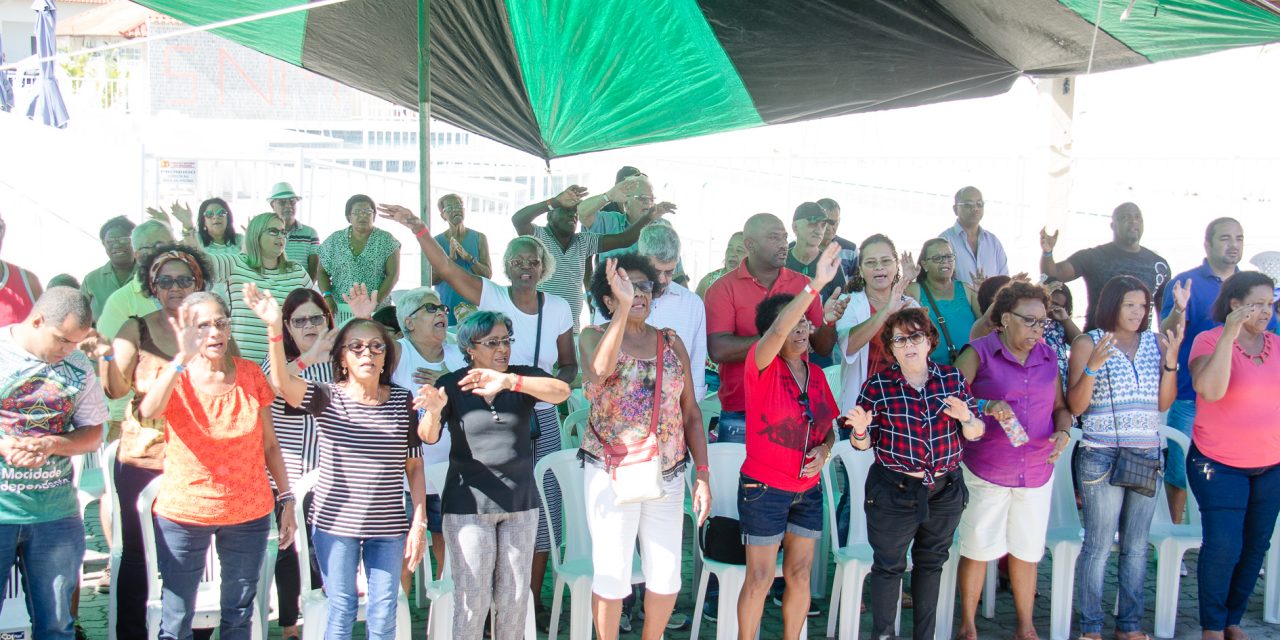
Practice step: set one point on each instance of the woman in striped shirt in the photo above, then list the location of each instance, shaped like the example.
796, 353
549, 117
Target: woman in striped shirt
366, 430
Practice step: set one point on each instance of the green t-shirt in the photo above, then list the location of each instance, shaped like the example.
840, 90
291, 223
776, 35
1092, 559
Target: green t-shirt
38, 398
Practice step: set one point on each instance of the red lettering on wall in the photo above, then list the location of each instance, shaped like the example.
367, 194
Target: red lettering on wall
189, 76
224, 59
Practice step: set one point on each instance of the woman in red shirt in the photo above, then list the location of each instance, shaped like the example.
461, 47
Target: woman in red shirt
789, 436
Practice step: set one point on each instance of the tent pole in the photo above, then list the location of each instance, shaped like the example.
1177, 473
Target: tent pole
424, 124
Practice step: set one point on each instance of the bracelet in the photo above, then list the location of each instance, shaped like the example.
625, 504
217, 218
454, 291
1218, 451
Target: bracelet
1090, 372
606, 199
550, 203
1173, 369
279, 337
1047, 254
179, 367
108, 358
865, 434
422, 232
808, 288
327, 294
284, 498
702, 468
519, 383
982, 405
302, 366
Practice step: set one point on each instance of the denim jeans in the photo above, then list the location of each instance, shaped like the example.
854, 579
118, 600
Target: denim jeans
1181, 417
1108, 508
339, 558
1238, 509
896, 522
732, 427
181, 550
49, 555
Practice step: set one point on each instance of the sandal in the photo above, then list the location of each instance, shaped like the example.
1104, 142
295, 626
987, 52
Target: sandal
1234, 632
1030, 635
972, 635
1132, 635
290, 633
1089, 636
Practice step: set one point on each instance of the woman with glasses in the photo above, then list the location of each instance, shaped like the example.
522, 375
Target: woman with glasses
1009, 471
916, 415
951, 305
790, 411
1234, 462
217, 230
361, 254
1122, 376
620, 380
216, 410
423, 355
489, 498
367, 436
140, 351
545, 324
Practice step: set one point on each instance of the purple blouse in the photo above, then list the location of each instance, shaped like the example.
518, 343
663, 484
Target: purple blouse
1030, 390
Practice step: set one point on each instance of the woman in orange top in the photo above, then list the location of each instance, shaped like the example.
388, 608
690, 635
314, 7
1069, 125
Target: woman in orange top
220, 444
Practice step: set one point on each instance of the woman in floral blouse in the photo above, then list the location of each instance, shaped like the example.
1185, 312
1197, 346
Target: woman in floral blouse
358, 254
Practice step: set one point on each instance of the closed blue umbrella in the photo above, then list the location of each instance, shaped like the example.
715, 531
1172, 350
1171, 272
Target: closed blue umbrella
47, 107
6, 89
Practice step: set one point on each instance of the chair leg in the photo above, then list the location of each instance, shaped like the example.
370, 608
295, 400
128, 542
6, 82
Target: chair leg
947, 596
836, 594
580, 609
1168, 581
727, 614
556, 600
699, 602
989, 590
531, 623
1271, 594
1063, 578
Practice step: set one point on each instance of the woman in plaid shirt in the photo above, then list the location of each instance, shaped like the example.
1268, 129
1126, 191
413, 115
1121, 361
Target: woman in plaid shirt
915, 415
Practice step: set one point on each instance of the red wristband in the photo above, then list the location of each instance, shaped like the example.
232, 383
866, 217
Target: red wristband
276, 338
702, 467
519, 383
302, 366
808, 288
422, 232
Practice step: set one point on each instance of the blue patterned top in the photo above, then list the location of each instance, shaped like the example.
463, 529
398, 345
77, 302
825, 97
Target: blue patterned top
1124, 410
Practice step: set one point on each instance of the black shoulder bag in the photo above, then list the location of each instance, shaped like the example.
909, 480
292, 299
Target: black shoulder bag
1131, 470
952, 352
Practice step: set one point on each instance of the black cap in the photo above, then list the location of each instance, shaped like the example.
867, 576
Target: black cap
626, 172
809, 210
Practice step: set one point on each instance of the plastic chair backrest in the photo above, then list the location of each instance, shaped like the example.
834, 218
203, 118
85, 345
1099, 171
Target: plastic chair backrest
301, 490
833, 378
1192, 516
146, 515
577, 400
710, 407
109, 483
725, 460
572, 427
856, 465
566, 472
1063, 513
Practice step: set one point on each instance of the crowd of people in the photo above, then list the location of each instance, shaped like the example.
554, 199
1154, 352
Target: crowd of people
235, 366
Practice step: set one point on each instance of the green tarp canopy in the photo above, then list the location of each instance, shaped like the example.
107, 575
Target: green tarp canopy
562, 77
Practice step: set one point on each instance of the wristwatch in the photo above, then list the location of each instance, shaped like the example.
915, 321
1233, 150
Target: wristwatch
1166, 367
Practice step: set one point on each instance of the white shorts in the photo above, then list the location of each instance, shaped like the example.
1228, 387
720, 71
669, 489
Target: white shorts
658, 524
1002, 520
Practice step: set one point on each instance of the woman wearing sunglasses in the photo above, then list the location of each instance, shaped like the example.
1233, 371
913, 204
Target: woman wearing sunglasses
489, 497
423, 355
1009, 473
140, 351
217, 230
915, 415
790, 411
622, 360
367, 440
545, 323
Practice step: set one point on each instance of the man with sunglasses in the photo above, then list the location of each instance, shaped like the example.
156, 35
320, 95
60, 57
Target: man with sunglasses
979, 254
100, 283
129, 300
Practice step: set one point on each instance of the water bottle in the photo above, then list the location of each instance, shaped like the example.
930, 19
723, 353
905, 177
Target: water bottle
1013, 428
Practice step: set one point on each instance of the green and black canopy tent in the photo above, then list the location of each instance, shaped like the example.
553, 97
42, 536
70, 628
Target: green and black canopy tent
562, 77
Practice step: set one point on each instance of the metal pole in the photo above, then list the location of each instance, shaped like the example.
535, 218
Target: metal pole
424, 124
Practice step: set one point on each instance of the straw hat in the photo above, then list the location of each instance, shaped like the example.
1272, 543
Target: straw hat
283, 191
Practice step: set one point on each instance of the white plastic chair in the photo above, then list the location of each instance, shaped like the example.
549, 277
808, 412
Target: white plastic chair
1171, 542
15, 620
208, 609
315, 605
1064, 539
1271, 588
853, 555
424, 576
710, 407
577, 400
725, 460
572, 428
117, 542
86, 470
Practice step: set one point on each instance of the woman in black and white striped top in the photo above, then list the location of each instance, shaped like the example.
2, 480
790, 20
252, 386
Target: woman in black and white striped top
367, 440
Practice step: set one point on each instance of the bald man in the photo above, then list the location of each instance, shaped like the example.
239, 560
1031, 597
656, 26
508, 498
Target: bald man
1123, 256
979, 253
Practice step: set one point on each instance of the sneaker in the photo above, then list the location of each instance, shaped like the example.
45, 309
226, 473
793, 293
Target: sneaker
709, 610
624, 624
103, 585
679, 621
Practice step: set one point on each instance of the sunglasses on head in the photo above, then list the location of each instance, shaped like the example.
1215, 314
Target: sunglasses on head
374, 347
301, 322
169, 282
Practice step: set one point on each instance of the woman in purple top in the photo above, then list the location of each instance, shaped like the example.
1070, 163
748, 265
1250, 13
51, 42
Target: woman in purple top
1014, 375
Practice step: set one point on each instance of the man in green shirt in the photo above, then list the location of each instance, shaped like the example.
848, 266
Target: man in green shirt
302, 243
100, 283
129, 300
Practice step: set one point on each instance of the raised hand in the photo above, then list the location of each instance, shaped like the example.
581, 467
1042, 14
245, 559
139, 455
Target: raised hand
1170, 342
1236, 320
834, 308
1059, 313
1102, 351
910, 269
322, 348
569, 198
401, 215
158, 214
827, 267
95, 345
663, 208
1022, 276
898, 296
859, 420
487, 383
956, 408
1048, 242
181, 213
423, 375
619, 284
620, 191
1181, 294
456, 251
362, 303
430, 399
190, 336
263, 304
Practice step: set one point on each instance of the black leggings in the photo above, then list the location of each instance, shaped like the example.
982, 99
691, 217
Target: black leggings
130, 581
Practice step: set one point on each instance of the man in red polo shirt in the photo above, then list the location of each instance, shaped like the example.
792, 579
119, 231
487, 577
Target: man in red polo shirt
731, 314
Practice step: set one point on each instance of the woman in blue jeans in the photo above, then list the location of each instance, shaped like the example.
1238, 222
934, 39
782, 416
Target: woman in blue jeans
1121, 378
367, 432
1234, 463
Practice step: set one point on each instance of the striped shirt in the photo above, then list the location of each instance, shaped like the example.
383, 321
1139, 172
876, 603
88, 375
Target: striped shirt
295, 428
231, 272
571, 265
301, 243
360, 493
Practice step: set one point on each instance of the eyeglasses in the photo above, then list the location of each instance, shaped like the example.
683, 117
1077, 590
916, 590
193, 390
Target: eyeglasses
363, 212
220, 324
168, 282
374, 347
273, 232
1032, 321
430, 307
882, 263
645, 200
301, 322
521, 263
971, 204
945, 258
916, 338
643, 286
215, 213
494, 343
122, 241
